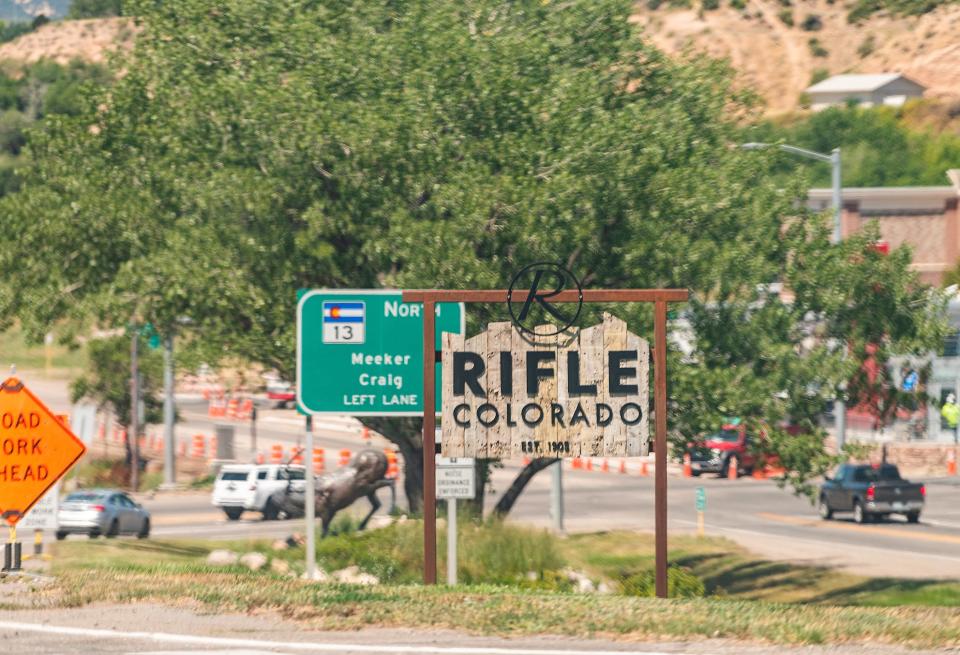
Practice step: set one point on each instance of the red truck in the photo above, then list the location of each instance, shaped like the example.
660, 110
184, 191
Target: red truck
733, 442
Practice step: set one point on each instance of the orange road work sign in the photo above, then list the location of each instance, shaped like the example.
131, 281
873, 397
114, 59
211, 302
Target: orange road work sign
36, 450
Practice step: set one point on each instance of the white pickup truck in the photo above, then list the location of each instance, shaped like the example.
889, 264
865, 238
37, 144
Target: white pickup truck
243, 487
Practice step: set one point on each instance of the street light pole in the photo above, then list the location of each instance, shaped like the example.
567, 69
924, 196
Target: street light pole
836, 179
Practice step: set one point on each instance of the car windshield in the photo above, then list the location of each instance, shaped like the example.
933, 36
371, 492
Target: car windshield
724, 435
84, 497
233, 475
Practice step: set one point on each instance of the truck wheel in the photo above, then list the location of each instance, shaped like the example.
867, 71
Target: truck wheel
824, 509
233, 513
270, 511
144, 529
860, 515
113, 530
61, 535
913, 517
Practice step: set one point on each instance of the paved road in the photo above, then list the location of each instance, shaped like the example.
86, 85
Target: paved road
120, 629
768, 520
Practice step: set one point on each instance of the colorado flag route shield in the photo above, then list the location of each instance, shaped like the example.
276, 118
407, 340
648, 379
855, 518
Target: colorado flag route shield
344, 322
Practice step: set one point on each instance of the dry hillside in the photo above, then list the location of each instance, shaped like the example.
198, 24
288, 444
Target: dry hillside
770, 56
778, 61
70, 39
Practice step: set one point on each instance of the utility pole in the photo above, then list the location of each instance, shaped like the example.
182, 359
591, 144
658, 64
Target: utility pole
169, 438
133, 434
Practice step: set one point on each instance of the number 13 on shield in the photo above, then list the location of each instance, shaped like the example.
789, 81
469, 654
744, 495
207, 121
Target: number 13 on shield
344, 321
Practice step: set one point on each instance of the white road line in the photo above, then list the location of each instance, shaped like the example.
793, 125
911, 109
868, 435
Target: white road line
328, 647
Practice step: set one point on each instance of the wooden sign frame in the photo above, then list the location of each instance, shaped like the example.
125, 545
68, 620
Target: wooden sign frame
659, 297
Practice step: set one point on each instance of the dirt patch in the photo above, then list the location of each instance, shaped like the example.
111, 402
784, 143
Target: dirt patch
62, 41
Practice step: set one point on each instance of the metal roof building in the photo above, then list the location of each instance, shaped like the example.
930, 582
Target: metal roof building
865, 90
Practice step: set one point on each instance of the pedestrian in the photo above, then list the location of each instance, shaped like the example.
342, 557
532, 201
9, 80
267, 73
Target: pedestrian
951, 414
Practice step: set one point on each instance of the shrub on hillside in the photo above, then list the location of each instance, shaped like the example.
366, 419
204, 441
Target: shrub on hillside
13, 126
817, 49
95, 8
812, 23
819, 75
786, 17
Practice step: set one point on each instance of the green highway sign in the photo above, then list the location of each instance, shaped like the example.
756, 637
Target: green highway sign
360, 351
701, 501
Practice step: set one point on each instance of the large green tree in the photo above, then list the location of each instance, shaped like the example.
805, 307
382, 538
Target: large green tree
252, 148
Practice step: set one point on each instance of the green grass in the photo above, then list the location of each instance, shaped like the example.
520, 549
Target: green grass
730, 571
747, 596
14, 349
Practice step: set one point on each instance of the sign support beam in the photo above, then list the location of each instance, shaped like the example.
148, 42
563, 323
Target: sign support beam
660, 298
660, 444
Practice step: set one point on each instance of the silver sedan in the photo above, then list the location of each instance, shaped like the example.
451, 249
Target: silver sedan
105, 512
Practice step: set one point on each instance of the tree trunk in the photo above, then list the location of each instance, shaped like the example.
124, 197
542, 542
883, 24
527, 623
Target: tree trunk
407, 434
506, 502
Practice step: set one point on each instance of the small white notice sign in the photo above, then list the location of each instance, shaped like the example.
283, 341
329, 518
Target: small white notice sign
455, 477
43, 515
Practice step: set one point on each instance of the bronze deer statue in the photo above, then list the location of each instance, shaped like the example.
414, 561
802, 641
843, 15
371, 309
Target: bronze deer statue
339, 489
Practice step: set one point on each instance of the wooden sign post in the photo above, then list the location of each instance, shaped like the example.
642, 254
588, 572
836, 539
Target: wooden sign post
632, 441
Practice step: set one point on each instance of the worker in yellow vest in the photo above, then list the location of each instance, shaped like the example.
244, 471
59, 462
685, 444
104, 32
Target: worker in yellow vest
951, 414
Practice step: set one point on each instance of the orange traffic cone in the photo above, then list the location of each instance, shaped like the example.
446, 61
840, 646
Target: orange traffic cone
623, 466
952, 462
732, 469
644, 470
687, 466
605, 467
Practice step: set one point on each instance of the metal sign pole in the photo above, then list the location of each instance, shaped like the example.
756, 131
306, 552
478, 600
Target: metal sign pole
309, 504
451, 541
556, 497
429, 445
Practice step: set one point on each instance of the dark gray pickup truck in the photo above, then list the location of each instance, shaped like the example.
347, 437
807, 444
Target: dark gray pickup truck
870, 492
